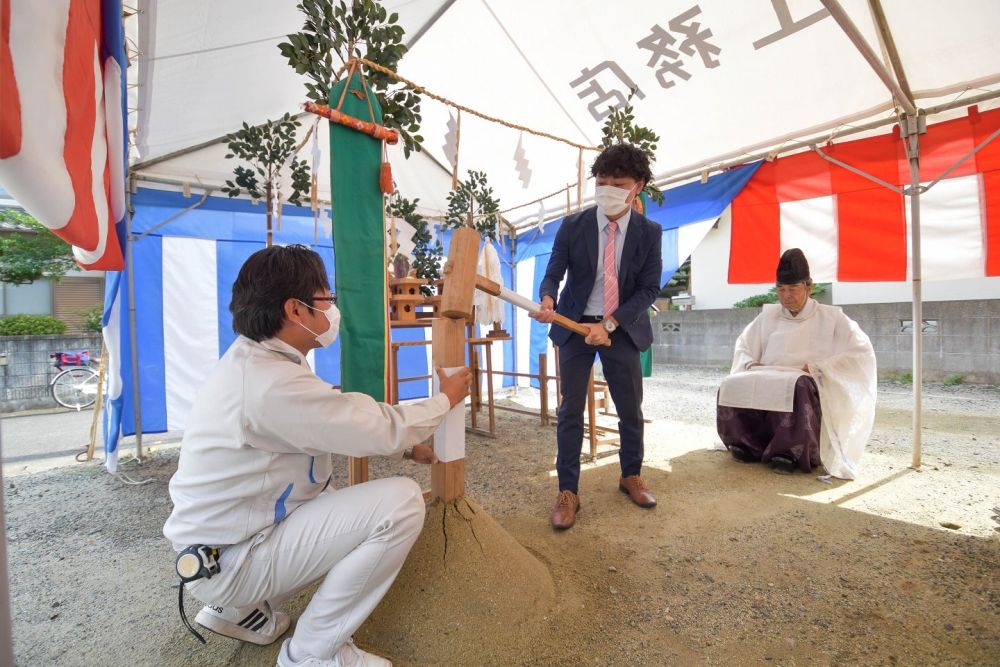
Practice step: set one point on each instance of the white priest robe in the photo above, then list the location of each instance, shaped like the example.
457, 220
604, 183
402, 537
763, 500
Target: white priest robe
838, 356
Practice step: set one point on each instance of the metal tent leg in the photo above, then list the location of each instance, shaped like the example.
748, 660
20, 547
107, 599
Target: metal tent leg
912, 127
133, 338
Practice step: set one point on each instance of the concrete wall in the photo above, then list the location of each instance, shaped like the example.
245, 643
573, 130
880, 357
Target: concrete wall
960, 337
24, 380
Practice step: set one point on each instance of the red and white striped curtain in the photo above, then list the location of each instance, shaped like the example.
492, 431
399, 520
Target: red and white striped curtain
62, 127
852, 229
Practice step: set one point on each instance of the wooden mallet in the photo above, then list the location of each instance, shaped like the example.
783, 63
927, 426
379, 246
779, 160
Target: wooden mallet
448, 335
515, 299
461, 281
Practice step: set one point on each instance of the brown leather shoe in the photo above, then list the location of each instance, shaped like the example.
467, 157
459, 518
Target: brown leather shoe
564, 514
637, 491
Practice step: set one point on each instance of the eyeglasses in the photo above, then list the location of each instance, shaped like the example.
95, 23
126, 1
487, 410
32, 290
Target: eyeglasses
332, 298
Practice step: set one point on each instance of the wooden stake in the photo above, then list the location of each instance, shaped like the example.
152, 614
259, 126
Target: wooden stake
489, 387
543, 386
448, 351
267, 213
448, 480
460, 274
592, 416
393, 243
475, 398
558, 381
98, 404
357, 470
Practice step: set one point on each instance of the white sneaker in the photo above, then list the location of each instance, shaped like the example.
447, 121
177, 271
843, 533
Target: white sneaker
349, 655
256, 624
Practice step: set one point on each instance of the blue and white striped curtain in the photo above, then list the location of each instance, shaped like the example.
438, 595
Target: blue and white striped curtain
183, 279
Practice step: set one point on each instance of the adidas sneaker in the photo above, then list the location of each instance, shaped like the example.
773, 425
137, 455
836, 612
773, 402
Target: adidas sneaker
256, 624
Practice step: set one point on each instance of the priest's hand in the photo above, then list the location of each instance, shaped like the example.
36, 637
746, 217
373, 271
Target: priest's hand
598, 334
423, 454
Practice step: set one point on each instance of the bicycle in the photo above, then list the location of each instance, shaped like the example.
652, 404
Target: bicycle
76, 384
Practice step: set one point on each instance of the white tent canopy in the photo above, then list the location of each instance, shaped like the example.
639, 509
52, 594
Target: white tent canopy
719, 81
716, 80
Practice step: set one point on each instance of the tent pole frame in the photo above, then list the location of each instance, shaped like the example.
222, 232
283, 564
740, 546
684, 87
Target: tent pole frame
168, 220
6, 623
889, 44
687, 173
855, 170
912, 127
670, 178
134, 351
866, 51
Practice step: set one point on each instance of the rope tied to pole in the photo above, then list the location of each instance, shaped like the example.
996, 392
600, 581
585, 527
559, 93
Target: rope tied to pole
423, 91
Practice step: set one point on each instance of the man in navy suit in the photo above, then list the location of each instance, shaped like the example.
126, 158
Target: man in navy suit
610, 256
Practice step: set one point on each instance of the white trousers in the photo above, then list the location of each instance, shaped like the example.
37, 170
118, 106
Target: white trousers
357, 538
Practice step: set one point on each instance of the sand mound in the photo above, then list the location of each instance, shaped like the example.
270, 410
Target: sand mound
468, 594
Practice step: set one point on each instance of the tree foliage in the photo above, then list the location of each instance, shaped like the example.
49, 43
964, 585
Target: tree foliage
32, 254
620, 128
264, 148
361, 29
426, 254
679, 282
92, 319
474, 197
758, 300
31, 325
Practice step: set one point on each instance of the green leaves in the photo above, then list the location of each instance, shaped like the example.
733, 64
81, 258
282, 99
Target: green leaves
759, 300
91, 318
474, 197
301, 180
264, 149
366, 29
31, 254
619, 128
426, 256
31, 325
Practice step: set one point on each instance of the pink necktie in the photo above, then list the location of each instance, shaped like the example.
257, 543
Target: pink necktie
610, 274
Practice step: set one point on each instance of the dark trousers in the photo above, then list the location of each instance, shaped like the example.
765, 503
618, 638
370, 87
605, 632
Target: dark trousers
767, 434
624, 377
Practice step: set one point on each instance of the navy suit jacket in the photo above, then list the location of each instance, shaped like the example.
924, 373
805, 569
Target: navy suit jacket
574, 255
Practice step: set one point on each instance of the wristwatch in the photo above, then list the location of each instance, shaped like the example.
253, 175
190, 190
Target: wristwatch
609, 326
408, 453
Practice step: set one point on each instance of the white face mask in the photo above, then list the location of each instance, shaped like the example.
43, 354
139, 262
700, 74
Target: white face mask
326, 338
612, 201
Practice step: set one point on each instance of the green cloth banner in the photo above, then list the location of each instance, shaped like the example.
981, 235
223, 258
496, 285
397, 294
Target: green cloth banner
359, 244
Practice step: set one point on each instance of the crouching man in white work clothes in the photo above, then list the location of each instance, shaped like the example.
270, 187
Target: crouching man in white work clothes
255, 463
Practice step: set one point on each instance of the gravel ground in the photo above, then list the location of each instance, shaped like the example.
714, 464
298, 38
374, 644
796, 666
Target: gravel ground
736, 565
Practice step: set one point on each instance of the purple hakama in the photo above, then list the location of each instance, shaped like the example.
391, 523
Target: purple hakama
766, 434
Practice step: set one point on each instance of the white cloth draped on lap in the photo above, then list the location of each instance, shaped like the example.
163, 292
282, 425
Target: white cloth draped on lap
763, 388
839, 357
